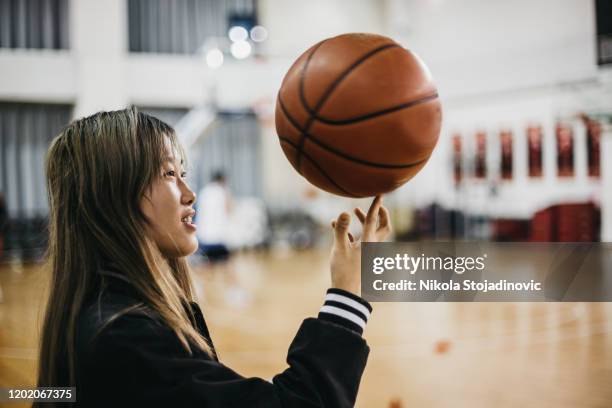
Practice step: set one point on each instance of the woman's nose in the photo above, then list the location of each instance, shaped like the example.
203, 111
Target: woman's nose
188, 196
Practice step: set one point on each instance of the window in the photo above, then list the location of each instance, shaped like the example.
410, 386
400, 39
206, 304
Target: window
37, 24
26, 129
603, 11
233, 145
181, 26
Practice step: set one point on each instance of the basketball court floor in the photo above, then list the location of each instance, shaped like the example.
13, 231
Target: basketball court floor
422, 354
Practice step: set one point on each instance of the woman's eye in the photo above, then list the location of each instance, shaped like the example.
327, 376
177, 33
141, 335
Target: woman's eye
170, 173
184, 174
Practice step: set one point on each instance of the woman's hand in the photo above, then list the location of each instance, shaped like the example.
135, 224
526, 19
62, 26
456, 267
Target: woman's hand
346, 251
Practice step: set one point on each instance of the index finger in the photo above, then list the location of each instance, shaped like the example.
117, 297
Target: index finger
374, 208
369, 228
383, 217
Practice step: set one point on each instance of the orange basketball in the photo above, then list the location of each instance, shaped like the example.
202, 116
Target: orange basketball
358, 115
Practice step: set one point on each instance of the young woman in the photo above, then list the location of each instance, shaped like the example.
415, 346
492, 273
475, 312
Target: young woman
121, 322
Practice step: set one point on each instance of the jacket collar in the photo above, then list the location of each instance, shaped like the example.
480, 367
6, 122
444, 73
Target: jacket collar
119, 282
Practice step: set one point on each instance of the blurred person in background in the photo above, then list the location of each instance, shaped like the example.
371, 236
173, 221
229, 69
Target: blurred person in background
121, 323
212, 216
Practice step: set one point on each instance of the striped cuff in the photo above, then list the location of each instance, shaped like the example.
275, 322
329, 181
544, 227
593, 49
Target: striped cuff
346, 309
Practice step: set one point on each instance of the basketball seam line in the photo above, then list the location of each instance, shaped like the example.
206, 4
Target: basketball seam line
395, 108
326, 94
317, 166
312, 138
340, 78
302, 140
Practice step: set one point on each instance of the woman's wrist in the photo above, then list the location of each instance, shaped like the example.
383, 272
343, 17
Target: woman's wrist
352, 287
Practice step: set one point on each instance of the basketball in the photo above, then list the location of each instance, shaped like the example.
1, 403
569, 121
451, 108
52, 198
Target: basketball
358, 115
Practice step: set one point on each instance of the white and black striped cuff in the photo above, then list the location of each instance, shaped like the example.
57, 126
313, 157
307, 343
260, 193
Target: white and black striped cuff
345, 308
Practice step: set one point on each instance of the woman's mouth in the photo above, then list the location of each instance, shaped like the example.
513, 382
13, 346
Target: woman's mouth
188, 223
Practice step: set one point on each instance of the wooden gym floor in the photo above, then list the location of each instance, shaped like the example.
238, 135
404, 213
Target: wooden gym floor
422, 354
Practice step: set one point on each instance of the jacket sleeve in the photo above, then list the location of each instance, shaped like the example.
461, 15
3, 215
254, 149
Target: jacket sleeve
144, 360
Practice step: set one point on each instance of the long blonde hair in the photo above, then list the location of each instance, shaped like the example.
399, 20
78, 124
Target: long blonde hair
98, 170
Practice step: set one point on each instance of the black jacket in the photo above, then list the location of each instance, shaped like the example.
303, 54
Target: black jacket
138, 361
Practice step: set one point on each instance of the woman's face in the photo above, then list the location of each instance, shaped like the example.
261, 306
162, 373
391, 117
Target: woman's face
168, 206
